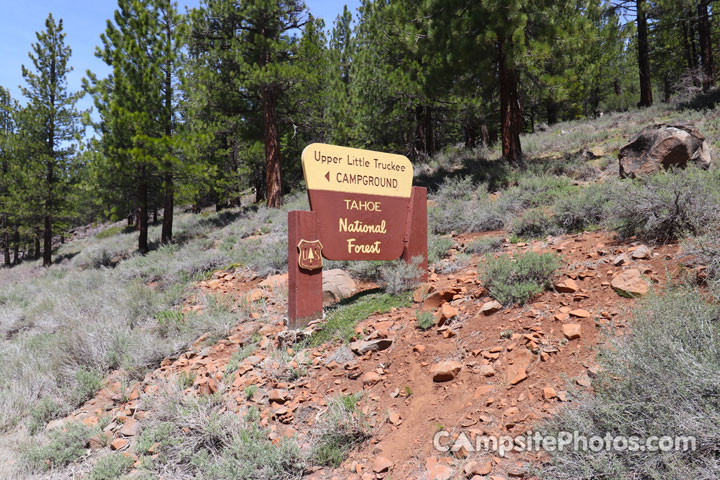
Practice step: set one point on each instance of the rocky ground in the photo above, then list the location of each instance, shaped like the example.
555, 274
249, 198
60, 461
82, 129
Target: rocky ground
481, 370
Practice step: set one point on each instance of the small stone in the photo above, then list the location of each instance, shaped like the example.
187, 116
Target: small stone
549, 393
119, 443
129, 428
419, 348
447, 312
584, 381
561, 317
394, 417
477, 468
489, 308
640, 253
516, 374
381, 464
278, 395
445, 371
630, 283
370, 378
567, 286
580, 313
361, 347
571, 330
486, 370
621, 259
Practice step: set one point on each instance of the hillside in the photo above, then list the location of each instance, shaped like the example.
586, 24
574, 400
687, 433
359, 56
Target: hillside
177, 364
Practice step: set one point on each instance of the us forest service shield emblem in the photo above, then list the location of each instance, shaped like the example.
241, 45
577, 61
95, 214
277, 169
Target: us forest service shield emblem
310, 254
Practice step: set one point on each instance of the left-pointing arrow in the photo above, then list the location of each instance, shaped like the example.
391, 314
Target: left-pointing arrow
327, 176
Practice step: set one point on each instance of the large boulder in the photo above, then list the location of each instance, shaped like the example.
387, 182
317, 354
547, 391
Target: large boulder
663, 146
337, 284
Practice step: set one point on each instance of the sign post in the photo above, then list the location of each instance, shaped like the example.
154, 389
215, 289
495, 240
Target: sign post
363, 207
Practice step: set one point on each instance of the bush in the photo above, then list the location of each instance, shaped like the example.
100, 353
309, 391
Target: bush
338, 429
664, 379
533, 223
485, 245
198, 438
425, 320
706, 250
584, 210
667, 205
111, 467
400, 276
516, 279
65, 446
438, 246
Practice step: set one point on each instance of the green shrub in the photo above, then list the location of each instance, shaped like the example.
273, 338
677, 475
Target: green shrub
89, 381
400, 276
533, 223
109, 232
438, 246
663, 380
706, 250
111, 467
485, 245
338, 429
65, 446
199, 439
516, 279
585, 209
667, 205
41, 413
425, 320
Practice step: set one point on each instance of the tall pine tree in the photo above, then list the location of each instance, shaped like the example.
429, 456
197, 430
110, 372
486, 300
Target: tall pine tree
57, 123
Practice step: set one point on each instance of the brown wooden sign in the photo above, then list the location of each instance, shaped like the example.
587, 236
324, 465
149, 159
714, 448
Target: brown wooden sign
364, 207
361, 199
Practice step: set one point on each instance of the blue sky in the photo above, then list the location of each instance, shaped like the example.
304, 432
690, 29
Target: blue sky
83, 21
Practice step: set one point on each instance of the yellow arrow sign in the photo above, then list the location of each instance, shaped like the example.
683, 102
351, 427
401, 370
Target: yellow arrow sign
353, 170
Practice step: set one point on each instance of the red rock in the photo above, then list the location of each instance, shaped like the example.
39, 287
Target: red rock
419, 348
567, 286
630, 283
438, 471
447, 312
381, 464
561, 317
370, 378
489, 308
516, 374
571, 330
580, 313
278, 395
119, 443
549, 393
394, 417
486, 370
129, 428
477, 468
445, 371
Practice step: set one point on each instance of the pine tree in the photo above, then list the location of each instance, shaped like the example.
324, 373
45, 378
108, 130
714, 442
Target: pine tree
138, 106
57, 123
7, 131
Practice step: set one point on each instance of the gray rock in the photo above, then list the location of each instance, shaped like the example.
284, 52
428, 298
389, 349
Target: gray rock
361, 347
341, 356
662, 146
337, 284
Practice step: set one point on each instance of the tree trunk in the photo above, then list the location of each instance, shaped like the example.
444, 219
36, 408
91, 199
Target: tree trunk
6, 242
510, 112
470, 131
686, 45
168, 181
36, 245
552, 112
47, 242
16, 247
143, 213
169, 206
273, 175
706, 56
646, 99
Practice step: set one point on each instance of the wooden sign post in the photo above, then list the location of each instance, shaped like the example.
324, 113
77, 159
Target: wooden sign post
363, 207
